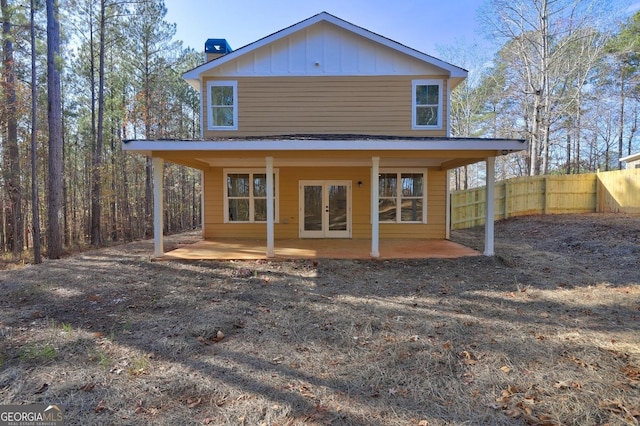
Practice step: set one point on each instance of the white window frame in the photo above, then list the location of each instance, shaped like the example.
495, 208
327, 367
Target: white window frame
414, 105
399, 197
222, 83
250, 172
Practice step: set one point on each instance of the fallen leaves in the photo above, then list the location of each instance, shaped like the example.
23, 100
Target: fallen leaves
630, 415
42, 389
516, 403
88, 387
304, 389
632, 372
215, 339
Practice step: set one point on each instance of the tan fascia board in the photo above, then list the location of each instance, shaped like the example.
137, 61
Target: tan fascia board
193, 76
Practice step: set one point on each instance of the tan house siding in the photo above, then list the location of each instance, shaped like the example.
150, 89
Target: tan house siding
288, 220
376, 105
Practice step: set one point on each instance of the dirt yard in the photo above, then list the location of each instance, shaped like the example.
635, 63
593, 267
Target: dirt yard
547, 332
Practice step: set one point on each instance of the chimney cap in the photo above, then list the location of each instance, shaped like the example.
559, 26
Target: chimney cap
217, 46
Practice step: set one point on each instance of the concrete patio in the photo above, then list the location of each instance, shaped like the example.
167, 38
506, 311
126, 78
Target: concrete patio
242, 249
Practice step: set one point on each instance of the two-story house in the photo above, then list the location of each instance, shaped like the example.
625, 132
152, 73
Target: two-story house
323, 130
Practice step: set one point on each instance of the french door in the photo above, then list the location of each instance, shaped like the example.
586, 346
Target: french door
325, 209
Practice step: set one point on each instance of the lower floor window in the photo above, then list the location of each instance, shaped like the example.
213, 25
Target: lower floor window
246, 196
402, 196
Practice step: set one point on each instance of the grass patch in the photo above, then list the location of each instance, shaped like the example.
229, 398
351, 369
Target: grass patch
45, 352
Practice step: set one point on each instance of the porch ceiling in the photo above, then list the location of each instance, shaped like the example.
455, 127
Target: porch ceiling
239, 249
327, 150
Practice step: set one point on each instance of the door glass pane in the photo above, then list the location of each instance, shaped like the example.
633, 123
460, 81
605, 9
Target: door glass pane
313, 208
337, 207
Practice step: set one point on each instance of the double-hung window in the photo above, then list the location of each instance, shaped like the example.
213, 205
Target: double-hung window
402, 196
427, 104
222, 101
245, 197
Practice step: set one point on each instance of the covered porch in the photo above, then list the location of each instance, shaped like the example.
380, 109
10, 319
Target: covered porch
246, 249
351, 161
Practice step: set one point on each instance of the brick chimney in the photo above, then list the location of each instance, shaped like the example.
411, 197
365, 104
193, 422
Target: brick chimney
216, 47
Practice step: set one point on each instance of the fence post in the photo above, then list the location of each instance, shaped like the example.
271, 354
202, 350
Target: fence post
506, 199
597, 209
545, 209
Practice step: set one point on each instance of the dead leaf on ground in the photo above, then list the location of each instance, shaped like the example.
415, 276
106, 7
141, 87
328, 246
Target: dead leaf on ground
618, 408
505, 369
88, 387
468, 358
631, 371
102, 406
567, 385
42, 388
193, 402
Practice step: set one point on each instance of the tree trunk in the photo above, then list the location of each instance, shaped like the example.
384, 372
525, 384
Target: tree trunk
54, 231
35, 203
11, 154
621, 122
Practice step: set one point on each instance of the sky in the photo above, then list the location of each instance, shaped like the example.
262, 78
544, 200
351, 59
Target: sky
420, 24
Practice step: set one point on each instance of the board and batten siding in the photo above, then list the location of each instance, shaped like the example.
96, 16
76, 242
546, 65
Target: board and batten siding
372, 105
289, 214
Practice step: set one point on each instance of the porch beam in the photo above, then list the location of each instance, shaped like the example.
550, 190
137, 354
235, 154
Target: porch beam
270, 209
375, 222
489, 207
158, 202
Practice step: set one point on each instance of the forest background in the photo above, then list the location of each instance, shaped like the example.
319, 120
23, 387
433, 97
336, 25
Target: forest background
80, 76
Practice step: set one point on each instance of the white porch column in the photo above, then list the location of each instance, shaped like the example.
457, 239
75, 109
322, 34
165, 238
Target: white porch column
158, 201
375, 220
490, 207
270, 212
447, 219
202, 202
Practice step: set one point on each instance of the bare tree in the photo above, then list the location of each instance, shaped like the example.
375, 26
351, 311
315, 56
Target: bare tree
11, 154
35, 203
550, 47
54, 230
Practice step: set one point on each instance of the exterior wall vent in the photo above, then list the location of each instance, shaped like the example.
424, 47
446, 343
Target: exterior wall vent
216, 47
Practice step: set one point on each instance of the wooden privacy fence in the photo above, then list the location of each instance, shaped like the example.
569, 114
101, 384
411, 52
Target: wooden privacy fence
617, 191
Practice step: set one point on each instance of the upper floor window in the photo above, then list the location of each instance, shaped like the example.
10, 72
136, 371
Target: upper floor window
427, 104
222, 98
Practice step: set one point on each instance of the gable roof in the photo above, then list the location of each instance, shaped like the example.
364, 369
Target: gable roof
455, 73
